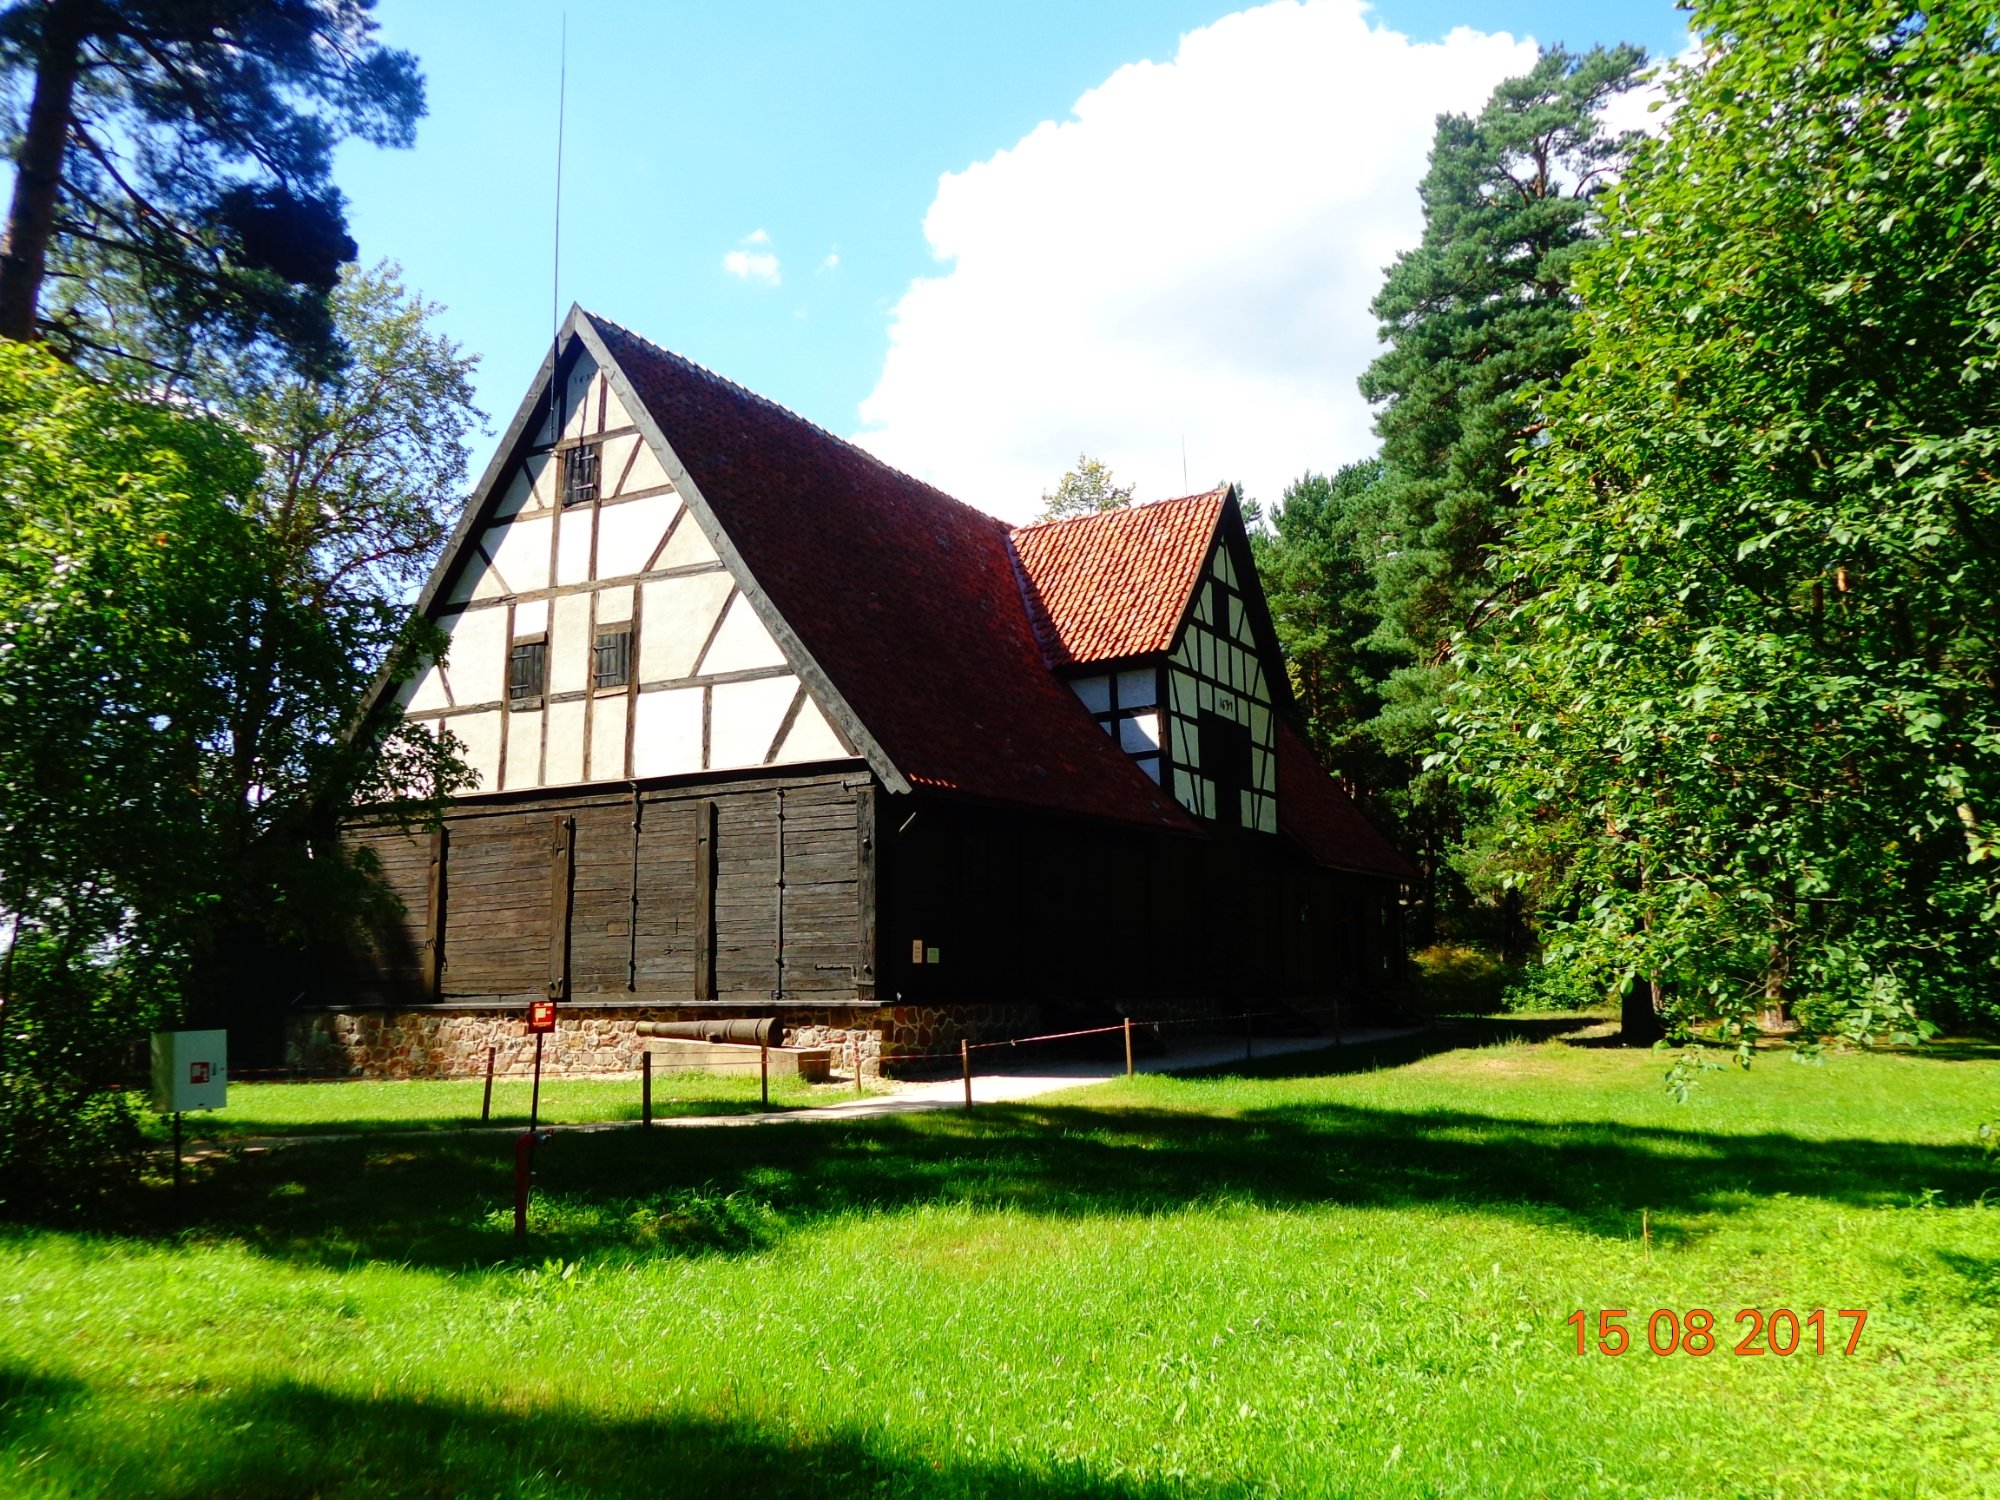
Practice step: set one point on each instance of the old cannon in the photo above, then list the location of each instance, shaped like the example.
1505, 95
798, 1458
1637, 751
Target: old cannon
763, 1031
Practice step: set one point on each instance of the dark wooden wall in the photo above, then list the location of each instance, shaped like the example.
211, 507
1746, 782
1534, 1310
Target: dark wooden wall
746, 891
1021, 906
777, 891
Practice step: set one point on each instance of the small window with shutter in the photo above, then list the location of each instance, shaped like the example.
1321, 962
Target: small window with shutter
611, 665
527, 671
580, 474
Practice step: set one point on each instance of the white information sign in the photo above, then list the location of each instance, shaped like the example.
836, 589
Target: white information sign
190, 1070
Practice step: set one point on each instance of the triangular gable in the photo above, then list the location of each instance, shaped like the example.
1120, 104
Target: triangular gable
707, 676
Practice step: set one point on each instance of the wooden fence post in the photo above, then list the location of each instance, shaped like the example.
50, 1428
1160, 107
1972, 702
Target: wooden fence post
1128, 1046
965, 1061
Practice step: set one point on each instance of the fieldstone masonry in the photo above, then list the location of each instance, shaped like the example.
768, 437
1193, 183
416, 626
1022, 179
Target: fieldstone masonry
451, 1042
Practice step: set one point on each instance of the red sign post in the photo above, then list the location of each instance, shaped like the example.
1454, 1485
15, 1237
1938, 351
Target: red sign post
541, 1022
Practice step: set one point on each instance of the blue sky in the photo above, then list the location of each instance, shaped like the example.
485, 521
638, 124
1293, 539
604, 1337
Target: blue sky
809, 141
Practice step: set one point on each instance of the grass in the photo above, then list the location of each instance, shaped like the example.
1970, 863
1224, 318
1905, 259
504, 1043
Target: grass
1287, 1280
268, 1109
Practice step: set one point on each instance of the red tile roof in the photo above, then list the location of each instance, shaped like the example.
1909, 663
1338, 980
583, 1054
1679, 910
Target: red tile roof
912, 604
906, 597
1114, 584
1319, 815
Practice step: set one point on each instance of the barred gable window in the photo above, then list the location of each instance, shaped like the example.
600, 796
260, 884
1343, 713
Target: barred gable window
580, 474
527, 671
612, 664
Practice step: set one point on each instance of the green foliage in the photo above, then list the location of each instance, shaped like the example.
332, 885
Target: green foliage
1477, 320
1083, 491
1454, 979
175, 705
181, 156
1316, 564
1741, 737
66, 1139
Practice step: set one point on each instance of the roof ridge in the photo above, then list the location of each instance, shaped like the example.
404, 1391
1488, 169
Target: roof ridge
1121, 510
785, 411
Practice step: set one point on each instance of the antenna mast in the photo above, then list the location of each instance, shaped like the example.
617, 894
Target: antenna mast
556, 413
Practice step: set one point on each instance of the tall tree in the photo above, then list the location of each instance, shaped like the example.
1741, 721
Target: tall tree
1477, 319
1083, 491
1317, 567
1746, 730
184, 148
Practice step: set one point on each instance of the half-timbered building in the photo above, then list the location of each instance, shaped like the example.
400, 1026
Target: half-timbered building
764, 726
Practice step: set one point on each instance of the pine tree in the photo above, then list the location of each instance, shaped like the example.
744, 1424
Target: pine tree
1478, 322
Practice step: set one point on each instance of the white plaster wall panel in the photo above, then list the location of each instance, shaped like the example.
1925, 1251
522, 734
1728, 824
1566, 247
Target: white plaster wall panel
1095, 693
1183, 751
1204, 695
478, 580
579, 404
666, 732
524, 749
531, 617
743, 720
480, 734
646, 472
1201, 605
528, 488
1246, 810
811, 737
615, 458
741, 645
1139, 734
628, 534
478, 656
432, 690
1184, 790
1136, 689
1184, 698
676, 617
607, 738
688, 547
614, 605
564, 764
1267, 815
569, 646
1238, 624
1207, 799
520, 550
1260, 723
613, 411
1223, 567
573, 544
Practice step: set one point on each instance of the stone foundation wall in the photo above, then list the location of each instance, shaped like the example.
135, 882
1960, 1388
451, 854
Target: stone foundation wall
441, 1043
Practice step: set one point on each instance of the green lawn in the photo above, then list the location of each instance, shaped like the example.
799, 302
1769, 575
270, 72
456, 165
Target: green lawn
1293, 1283
261, 1109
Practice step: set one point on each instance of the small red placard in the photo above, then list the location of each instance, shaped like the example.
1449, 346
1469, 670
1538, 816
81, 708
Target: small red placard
541, 1017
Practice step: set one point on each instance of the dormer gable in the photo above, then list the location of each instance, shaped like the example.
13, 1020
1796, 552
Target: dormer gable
1155, 617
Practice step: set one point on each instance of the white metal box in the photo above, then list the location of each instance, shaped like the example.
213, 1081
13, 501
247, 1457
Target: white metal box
190, 1069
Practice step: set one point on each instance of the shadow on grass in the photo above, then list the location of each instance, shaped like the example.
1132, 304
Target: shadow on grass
287, 1439
447, 1204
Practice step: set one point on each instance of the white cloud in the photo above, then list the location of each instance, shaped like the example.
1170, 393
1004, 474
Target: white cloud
1189, 257
832, 261
753, 265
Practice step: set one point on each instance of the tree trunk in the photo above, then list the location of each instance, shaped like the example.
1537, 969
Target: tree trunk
1639, 1015
38, 166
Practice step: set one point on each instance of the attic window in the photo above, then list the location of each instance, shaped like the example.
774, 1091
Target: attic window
527, 671
580, 474
611, 665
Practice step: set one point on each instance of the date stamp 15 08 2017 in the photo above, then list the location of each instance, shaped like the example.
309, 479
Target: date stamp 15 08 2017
1693, 1332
